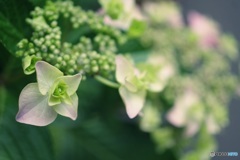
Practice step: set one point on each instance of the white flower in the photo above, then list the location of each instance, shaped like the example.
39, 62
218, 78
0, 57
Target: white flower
132, 89
39, 103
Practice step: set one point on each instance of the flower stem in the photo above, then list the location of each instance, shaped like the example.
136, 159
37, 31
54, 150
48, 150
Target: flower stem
107, 82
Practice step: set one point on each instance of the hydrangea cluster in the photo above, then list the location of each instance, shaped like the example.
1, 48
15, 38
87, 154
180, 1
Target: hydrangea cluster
175, 88
194, 101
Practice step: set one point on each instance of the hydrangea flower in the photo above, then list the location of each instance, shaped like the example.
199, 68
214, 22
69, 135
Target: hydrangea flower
190, 112
187, 112
132, 89
158, 72
39, 103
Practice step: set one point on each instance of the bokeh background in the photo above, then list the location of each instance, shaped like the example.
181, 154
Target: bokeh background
226, 13
93, 135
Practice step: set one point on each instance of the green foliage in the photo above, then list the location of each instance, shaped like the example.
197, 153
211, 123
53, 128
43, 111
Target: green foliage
12, 22
96, 139
17, 141
9, 34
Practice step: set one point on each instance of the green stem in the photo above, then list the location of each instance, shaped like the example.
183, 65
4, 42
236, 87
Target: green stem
107, 82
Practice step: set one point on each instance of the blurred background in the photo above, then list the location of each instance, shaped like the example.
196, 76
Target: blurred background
103, 131
226, 14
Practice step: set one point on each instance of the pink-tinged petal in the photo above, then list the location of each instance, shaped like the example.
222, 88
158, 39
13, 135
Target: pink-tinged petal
33, 107
72, 83
46, 75
68, 110
124, 68
192, 128
212, 125
133, 101
178, 115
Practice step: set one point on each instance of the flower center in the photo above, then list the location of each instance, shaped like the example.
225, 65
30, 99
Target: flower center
60, 90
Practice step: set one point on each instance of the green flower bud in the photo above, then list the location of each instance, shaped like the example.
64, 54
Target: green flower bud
29, 64
137, 28
95, 69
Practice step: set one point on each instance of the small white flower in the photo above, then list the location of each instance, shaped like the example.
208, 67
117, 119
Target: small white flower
39, 103
132, 89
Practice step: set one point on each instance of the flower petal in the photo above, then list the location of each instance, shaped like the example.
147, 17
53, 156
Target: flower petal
33, 107
46, 75
53, 100
130, 86
178, 115
133, 101
72, 83
68, 110
157, 86
124, 68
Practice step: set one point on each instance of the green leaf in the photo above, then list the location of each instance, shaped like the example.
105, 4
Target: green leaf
95, 139
12, 22
38, 2
101, 132
9, 35
18, 141
2, 100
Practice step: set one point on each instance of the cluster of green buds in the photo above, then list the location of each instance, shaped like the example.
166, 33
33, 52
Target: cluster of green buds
90, 55
88, 19
94, 63
105, 43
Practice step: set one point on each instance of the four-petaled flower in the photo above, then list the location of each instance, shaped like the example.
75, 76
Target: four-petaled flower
132, 89
39, 103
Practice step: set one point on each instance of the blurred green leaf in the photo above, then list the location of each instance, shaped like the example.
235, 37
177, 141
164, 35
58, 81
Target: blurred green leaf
37, 2
9, 35
95, 139
89, 4
2, 100
19, 141
204, 146
12, 22
101, 131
